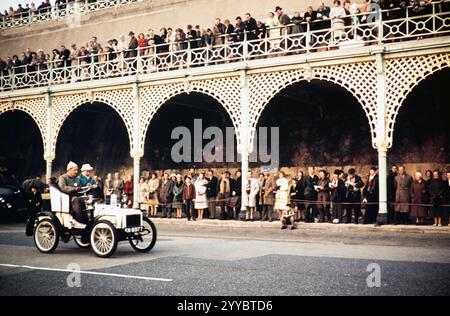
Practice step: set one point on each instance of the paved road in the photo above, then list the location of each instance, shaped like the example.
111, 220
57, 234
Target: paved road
233, 261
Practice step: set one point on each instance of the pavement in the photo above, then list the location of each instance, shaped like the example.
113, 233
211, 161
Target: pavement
210, 258
308, 226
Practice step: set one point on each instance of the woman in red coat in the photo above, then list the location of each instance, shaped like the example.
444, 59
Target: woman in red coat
128, 190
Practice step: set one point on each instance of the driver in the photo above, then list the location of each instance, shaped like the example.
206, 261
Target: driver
69, 183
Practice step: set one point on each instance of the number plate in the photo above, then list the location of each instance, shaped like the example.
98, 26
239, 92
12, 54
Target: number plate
134, 229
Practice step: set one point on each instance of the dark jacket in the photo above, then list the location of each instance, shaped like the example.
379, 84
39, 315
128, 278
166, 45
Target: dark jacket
338, 193
370, 191
132, 48
212, 188
310, 192
251, 28
166, 192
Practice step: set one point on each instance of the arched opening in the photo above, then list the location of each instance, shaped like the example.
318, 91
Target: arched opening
93, 133
21, 147
320, 124
186, 110
422, 129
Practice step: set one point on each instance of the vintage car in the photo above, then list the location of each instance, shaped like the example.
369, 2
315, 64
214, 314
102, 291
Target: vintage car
108, 225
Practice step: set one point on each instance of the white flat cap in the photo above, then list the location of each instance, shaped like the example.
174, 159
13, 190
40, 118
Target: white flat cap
71, 165
86, 167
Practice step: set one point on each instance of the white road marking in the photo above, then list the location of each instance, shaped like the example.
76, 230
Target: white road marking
86, 272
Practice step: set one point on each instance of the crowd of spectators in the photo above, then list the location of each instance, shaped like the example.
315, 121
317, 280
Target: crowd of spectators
46, 7
226, 33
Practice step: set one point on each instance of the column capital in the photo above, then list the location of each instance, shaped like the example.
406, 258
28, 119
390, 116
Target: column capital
49, 157
382, 146
137, 154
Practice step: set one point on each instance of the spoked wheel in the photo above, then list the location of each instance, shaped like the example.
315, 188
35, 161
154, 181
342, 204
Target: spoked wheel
46, 237
146, 239
80, 244
104, 239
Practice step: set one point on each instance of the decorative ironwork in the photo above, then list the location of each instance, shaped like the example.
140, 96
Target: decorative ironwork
225, 90
403, 75
36, 108
120, 100
358, 78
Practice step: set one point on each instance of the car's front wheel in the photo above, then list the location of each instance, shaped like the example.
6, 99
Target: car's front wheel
103, 239
146, 240
46, 237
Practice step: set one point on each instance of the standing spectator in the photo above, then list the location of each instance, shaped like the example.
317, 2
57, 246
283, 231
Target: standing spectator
219, 31
438, 190
418, 196
391, 192
132, 52
403, 183
17, 65
337, 187
142, 44
239, 29
143, 195
323, 197
224, 194
108, 188
201, 202
128, 190
211, 193
153, 188
188, 199
371, 195
267, 197
118, 186
282, 194
249, 198
192, 37
250, 27
311, 181
298, 195
274, 30
166, 196
297, 21
337, 15
34, 200
178, 188
284, 21
229, 31
353, 186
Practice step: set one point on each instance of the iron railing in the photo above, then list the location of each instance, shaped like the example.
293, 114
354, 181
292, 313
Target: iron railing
236, 47
58, 12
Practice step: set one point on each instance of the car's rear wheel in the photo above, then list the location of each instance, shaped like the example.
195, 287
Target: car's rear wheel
46, 237
103, 239
146, 239
80, 244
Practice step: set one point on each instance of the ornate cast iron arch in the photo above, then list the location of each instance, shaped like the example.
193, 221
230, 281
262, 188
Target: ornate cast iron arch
359, 79
226, 91
35, 108
403, 75
119, 100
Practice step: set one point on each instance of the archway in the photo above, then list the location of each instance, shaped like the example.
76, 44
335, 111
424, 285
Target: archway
21, 146
422, 131
320, 123
93, 133
184, 110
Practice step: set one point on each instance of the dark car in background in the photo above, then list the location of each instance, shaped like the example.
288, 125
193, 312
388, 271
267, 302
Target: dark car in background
13, 202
